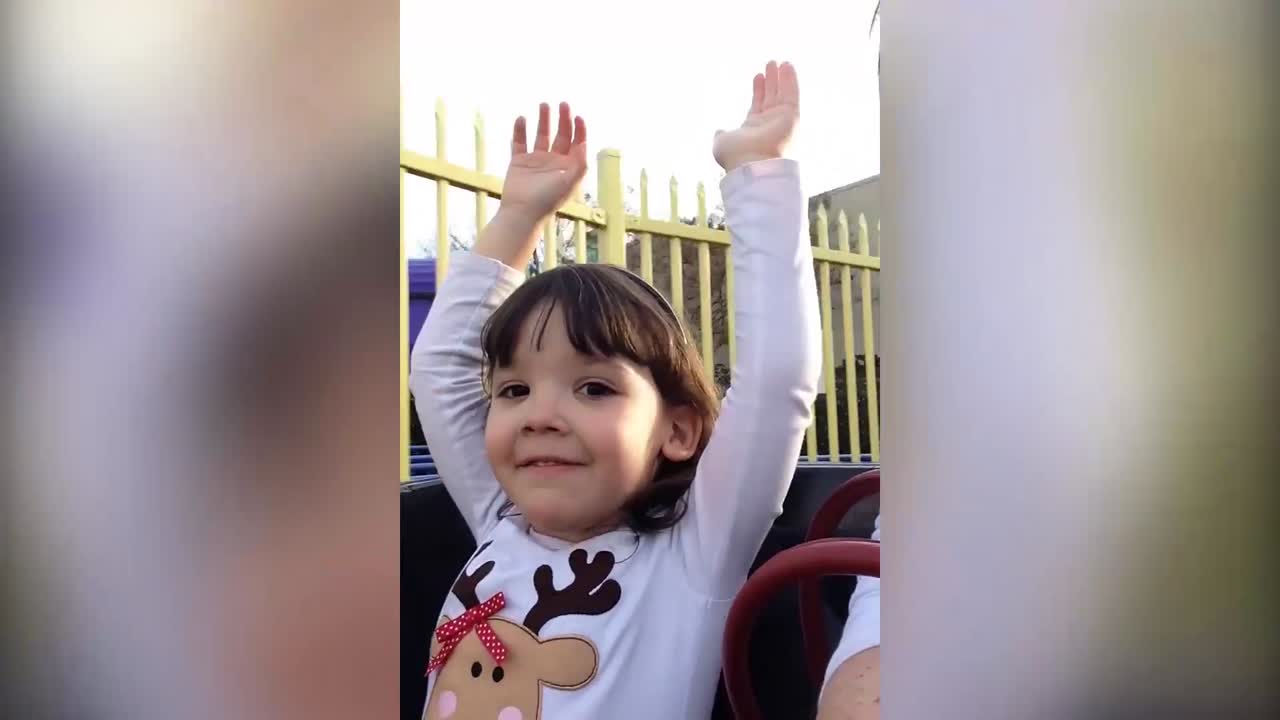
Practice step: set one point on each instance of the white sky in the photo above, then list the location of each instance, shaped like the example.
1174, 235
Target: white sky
653, 79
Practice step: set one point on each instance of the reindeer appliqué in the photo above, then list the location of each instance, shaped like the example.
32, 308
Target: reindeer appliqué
492, 668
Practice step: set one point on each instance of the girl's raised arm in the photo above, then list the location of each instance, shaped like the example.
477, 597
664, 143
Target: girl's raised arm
747, 467
446, 369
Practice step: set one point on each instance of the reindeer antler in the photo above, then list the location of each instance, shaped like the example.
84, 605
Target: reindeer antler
464, 588
590, 593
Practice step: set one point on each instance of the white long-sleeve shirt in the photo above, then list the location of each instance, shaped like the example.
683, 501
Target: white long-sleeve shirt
653, 649
862, 628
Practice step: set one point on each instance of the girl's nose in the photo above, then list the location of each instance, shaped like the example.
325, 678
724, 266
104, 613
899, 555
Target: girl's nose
543, 413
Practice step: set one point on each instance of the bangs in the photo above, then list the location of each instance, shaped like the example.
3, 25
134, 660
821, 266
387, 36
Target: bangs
607, 313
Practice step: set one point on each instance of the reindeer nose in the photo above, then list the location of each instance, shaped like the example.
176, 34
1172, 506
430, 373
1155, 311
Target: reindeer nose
510, 713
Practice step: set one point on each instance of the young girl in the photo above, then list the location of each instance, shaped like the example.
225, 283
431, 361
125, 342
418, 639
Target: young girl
571, 420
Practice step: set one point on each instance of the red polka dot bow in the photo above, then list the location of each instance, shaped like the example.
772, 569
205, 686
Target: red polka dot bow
452, 632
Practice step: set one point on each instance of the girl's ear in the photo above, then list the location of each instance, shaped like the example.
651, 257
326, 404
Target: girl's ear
684, 431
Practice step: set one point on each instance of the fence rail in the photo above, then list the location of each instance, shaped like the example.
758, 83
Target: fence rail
614, 231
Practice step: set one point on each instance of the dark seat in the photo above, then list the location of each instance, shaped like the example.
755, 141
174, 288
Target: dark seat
435, 543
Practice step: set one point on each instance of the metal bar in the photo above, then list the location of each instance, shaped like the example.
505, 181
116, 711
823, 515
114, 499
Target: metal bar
828, 339
704, 291
482, 217
613, 239
677, 262
442, 202
579, 241
677, 229
858, 260
646, 239
850, 360
550, 245
468, 179
869, 345
404, 340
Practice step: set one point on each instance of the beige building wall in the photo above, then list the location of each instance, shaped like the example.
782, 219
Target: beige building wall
859, 197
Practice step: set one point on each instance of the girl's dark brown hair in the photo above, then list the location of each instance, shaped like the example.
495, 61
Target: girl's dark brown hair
610, 312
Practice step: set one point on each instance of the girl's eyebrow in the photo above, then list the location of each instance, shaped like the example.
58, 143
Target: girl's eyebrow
614, 365
599, 361
505, 369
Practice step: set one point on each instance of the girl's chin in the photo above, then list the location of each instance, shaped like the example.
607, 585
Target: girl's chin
549, 518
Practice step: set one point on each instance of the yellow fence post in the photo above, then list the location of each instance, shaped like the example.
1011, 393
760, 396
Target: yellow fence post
579, 237
482, 217
646, 239
828, 339
869, 343
613, 238
404, 331
850, 361
704, 290
579, 241
677, 262
550, 244
442, 201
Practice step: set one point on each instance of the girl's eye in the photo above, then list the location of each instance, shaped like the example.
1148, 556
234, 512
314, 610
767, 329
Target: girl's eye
596, 389
512, 391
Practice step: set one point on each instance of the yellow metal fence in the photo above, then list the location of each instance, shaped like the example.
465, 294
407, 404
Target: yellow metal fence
614, 230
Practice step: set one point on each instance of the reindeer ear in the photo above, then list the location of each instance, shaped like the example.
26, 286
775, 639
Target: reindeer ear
435, 644
566, 663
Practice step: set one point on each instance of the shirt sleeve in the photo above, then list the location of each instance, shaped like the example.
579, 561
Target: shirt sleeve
743, 475
862, 629
446, 380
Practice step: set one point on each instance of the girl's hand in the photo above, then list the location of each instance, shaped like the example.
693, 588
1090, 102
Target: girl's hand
539, 182
775, 109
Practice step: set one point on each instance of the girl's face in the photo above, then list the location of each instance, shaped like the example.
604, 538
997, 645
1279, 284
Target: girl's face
571, 437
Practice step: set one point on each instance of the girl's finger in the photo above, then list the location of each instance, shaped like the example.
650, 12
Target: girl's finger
757, 93
579, 131
564, 133
770, 84
542, 139
788, 84
519, 142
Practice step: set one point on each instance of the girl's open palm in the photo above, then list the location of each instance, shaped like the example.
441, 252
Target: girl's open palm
775, 110
538, 182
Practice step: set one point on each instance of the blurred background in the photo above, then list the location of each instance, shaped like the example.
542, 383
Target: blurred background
198, 468
200, 498
1080, 359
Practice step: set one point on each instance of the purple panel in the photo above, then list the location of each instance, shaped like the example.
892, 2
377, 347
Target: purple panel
422, 277
422, 290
